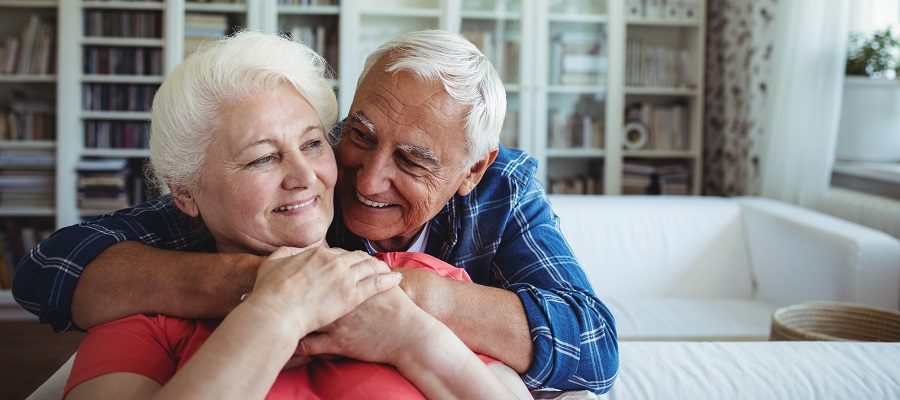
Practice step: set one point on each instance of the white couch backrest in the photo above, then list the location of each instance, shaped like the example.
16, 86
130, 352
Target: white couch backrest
658, 246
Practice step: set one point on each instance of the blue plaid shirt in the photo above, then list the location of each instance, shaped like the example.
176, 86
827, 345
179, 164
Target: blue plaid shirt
504, 234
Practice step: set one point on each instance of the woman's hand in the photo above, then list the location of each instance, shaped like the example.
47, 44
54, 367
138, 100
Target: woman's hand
312, 287
379, 330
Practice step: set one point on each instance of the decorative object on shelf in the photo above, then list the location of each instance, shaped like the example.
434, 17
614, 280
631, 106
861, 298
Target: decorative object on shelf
635, 136
869, 128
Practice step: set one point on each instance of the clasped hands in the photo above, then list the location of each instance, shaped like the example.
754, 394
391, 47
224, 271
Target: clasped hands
349, 304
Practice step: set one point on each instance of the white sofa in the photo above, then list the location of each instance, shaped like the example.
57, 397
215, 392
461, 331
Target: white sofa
681, 269
709, 268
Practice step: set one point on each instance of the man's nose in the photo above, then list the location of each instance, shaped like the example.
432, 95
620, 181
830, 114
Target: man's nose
298, 173
374, 175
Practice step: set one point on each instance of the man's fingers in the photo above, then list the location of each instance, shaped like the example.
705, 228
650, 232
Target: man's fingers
378, 283
312, 344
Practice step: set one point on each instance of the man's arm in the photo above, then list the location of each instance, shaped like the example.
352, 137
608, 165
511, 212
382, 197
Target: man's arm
572, 343
131, 278
45, 281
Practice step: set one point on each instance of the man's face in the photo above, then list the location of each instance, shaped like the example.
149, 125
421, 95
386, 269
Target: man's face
400, 158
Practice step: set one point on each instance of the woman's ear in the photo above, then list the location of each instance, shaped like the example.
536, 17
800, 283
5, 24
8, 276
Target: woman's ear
184, 200
476, 172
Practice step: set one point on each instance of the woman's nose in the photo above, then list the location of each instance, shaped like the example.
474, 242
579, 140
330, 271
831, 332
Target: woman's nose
298, 172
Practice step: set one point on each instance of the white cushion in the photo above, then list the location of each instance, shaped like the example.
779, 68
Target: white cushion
671, 318
757, 370
658, 246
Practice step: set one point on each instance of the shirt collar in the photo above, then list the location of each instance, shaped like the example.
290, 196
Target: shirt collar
417, 246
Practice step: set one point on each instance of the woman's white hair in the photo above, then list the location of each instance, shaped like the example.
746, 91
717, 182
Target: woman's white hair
186, 110
466, 74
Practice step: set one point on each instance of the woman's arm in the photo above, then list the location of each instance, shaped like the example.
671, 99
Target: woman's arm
244, 355
389, 328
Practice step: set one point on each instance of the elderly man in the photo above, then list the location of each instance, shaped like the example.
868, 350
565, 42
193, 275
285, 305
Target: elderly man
420, 169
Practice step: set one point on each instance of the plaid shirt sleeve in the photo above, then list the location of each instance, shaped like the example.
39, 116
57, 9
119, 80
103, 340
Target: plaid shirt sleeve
575, 343
45, 279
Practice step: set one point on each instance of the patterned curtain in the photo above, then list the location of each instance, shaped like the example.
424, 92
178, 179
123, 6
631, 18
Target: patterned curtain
739, 40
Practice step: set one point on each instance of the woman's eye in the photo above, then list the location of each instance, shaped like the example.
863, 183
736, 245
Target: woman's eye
312, 145
262, 161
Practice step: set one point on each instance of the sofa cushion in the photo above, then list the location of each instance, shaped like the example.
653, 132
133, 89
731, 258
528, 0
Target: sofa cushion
655, 246
672, 318
757, 370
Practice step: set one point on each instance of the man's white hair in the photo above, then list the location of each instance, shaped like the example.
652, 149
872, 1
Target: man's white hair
466, 74
186, 112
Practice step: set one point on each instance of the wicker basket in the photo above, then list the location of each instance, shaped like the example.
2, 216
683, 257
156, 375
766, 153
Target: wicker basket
835, 321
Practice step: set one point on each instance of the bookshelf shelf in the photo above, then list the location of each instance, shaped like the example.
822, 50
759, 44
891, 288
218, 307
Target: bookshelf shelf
492, 15
578, 18
27, 78
28, 3
407, 13
661, 91
123, 5
575, 153
27, 211
215, 7
116, 153
573, 89
27, 144
116, 115
651, 153
285, 9
116, 41
664, 22
144, 79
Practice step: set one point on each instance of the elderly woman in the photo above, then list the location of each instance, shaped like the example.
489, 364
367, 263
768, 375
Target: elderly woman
240, 138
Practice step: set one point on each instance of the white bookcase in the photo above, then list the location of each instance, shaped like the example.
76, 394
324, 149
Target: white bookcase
28, 145
573, 69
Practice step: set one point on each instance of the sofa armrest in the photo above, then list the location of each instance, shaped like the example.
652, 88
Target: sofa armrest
798, 254
53, 387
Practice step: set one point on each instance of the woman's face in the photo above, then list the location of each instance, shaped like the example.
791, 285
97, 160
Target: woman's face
268, 179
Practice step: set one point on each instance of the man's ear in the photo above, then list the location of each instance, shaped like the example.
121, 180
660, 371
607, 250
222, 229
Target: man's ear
476, 172
184, 200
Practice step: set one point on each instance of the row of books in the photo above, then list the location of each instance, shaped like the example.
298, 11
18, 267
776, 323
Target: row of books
509, 133
573, 131
648, 178
123, 60
109, 184
581, 126
668, 124
16, 240
576, 185
321, 38
577, 58
116, 134
27, 179
116, 23
503, 50
118, 97
681, 10
650, 64
201, 27
28, 120
31, 52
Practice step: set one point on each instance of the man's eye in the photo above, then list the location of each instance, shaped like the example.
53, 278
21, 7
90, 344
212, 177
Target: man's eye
408, 163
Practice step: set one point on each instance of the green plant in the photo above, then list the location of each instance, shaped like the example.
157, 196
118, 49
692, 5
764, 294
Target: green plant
875, 56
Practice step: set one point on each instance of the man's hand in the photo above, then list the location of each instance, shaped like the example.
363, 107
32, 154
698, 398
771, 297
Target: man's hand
430, 292
379, 330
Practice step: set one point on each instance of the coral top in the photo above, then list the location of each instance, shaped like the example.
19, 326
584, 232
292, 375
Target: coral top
158, 346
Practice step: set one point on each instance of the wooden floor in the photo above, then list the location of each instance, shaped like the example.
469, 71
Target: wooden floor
29, 354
